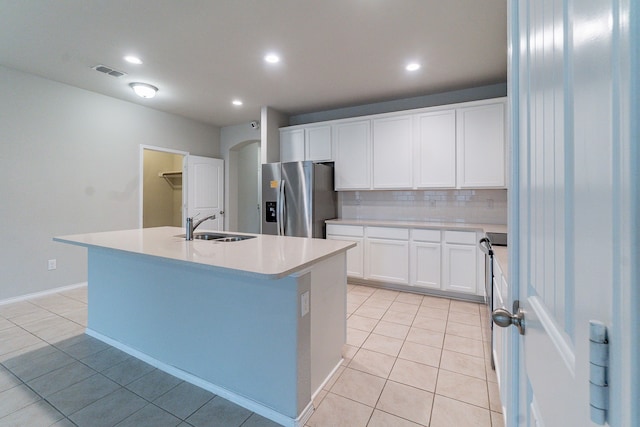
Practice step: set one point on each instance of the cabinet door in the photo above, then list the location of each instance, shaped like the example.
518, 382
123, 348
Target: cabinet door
425, 264
352, 149
392, 153
291, 145
387, 260
318, 144
355, 258
459, 268
481, 146
435, 144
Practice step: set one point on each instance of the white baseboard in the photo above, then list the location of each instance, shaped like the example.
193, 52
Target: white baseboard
42, 293
326, 380
249, 404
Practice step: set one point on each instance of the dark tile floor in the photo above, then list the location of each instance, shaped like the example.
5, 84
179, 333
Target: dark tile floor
52, 374
409, 360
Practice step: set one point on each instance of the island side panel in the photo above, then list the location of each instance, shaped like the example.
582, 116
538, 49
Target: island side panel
328, 317
240, 333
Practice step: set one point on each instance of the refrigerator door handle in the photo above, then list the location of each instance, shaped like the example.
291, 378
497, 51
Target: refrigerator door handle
283, 198
278, 207
281, 210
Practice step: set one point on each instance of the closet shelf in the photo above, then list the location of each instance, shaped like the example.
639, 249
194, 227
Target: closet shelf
174, 178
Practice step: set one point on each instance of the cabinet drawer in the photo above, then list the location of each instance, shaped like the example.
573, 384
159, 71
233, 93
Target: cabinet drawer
388, 233
426, 235
345, 230
461, 237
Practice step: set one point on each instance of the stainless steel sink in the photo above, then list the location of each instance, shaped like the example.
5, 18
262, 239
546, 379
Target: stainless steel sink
204, 235
219, 237
234, 238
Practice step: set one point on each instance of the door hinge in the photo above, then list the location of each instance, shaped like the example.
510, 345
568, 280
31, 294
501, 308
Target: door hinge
598, 372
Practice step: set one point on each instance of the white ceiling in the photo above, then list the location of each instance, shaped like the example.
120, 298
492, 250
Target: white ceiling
203, 53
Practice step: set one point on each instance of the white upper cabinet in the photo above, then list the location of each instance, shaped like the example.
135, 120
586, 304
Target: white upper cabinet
352, 150
435, 149
392, 153
306, 143
318, 143
454, 146
481, 145
291, 145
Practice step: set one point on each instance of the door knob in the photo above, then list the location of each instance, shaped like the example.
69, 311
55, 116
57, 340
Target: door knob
503, 318
221, 212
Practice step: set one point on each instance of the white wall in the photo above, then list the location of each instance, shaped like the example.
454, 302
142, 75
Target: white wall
270, 123
69, 163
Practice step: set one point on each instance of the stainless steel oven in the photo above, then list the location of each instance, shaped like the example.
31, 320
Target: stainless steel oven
486, 245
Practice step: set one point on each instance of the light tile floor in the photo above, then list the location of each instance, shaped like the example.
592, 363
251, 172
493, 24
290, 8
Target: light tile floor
409, 361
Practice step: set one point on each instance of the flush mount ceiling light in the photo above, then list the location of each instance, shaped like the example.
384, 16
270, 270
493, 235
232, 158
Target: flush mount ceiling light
272, 58
144, 90
133, 59
412, 66
236, 102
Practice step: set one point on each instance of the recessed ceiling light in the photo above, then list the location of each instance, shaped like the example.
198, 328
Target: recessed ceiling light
412, 66
144, 90
236, 102
272, 58
133, 59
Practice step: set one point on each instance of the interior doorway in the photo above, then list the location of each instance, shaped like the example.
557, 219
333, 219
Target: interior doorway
162, 198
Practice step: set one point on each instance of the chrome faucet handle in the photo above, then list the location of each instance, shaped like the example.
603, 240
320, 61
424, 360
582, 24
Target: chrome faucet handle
188, 229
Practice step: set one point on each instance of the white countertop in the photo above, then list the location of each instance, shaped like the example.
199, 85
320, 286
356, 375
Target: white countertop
495, 228
265, 255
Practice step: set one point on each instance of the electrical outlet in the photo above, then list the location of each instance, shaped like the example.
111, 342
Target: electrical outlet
51, 264
304, 304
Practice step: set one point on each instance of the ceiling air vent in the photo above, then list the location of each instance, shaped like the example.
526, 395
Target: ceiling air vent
110, 71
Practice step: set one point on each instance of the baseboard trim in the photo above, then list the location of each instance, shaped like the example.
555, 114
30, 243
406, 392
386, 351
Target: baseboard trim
415, 290
326, 380
249, 404
42, 293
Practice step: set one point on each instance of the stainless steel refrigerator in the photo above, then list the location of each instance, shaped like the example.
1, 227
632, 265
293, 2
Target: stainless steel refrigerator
297, 198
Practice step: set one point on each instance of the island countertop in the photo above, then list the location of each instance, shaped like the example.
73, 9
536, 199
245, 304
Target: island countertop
264, 255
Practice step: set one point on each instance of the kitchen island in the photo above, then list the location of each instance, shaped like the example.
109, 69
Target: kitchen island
260, 322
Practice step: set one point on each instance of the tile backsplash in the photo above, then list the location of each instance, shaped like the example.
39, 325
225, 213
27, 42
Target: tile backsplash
467, 206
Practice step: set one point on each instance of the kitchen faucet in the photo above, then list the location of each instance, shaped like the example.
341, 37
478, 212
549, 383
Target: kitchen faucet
190, 226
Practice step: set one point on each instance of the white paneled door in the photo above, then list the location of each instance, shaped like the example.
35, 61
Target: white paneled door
205, 190
574, 228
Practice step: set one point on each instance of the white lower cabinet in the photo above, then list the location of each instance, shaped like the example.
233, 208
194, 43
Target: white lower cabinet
459, 260
425, 258
355, 256
387, 254
437, 259
501, 336
459, 268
